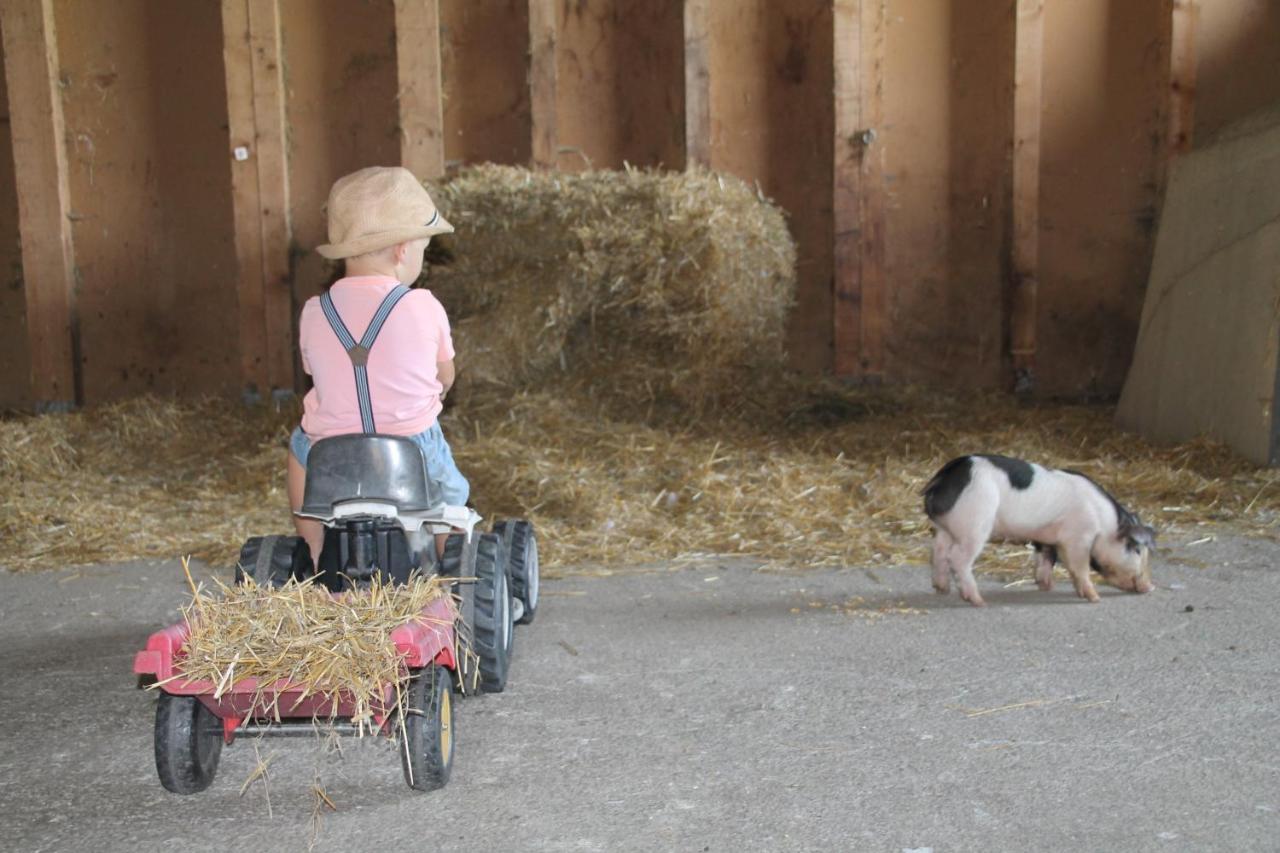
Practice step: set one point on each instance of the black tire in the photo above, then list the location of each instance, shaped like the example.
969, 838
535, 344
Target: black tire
491, 625
457, 555
272, 560
188, 743
485, 607
427, 727
521, 545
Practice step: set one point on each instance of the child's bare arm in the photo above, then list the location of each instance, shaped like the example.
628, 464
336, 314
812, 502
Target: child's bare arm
445, 372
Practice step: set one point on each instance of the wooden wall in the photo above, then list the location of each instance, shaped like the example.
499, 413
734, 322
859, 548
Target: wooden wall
1104, 143
486, 109
771, 122
620, 84
154, 223
15, 385
1237, 45
143, 100
948, 118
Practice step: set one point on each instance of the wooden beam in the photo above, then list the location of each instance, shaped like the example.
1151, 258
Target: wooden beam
542, 84
697, 84
874, 295
419, 94
260, 192
1027, 90
859, 316
44, 200
1182, 76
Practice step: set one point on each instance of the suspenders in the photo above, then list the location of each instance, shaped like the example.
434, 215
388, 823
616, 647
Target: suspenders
359, 352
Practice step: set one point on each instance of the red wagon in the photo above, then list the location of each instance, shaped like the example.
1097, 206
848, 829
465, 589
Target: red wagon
194, 719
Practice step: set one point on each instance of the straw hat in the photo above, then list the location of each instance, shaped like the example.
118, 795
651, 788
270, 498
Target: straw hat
379, 207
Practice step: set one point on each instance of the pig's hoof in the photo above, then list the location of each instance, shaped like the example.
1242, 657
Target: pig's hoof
1090, 596
942, 588
1045, 584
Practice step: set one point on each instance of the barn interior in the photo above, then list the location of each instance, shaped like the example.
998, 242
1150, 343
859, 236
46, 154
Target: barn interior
730, 281
812, 250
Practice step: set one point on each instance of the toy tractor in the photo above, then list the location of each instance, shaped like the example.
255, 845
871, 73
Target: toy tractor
373, 497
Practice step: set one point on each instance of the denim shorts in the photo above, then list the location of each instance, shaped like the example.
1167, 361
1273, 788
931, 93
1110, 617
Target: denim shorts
443, 475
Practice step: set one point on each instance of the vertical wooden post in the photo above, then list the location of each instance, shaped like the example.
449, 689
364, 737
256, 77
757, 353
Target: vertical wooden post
44, 199
1182, 76
1027, 77
542, 83
260, 191
858, 203
418, 82
697, 84
874, 296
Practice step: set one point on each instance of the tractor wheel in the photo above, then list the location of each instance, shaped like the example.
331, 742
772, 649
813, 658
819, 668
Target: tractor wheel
272, 560
426, 715
491, 626
522, 562
458, 554
486, 607
188, 743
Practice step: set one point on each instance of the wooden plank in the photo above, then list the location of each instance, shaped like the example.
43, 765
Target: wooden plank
1027, 89
1182, 75
874, 296
697, 84
273, 188
542, 84
260, 192
420, 98
859, 309
847, 186
44, 200
244, 195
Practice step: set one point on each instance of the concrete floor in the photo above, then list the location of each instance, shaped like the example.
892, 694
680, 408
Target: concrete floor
713, 708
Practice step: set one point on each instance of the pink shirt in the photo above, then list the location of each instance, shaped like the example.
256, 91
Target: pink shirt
402, 364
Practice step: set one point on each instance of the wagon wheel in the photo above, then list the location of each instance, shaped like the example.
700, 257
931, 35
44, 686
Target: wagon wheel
188, 743
426, 715
522, 563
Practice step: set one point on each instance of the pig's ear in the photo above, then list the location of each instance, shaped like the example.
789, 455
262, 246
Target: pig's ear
1136, 535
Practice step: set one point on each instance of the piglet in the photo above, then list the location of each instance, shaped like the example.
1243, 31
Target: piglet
973, 499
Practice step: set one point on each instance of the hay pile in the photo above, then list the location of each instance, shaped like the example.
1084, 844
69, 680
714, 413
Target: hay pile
143, 478
320, 643
820, 476
815, 475
681, 280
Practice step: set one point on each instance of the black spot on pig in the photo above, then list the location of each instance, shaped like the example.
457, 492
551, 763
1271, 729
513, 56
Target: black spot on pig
942, 492
1020, 473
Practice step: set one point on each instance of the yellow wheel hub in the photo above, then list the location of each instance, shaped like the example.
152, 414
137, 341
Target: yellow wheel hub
446, 732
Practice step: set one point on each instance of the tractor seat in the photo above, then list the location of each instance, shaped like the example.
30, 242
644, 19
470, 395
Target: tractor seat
383, 468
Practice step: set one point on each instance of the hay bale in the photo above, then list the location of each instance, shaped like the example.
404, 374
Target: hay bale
679, 279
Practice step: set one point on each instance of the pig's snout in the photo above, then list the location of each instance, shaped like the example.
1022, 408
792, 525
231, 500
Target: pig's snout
1136, 583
